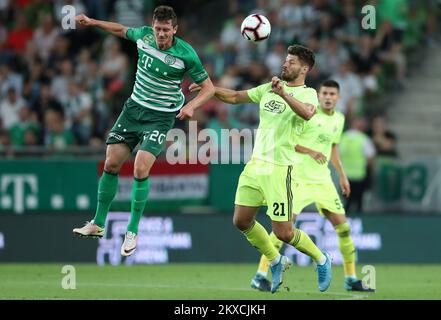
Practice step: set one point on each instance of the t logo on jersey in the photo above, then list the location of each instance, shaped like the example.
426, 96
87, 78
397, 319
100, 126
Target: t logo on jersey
274, 106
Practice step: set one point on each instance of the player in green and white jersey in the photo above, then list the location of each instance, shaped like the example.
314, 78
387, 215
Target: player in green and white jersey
267, 177
317, 143
149, 113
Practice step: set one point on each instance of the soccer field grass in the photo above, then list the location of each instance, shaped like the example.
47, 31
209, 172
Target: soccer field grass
206, 282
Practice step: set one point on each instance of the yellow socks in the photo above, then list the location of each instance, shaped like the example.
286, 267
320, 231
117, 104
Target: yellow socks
259, 238
347, 248
302, 242
264, 262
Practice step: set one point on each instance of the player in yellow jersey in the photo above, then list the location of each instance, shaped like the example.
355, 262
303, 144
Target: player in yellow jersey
267, 178
317, 143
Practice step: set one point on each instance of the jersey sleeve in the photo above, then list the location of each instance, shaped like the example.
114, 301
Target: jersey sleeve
340, 127
256, 93
196, 70
135, 34
311, 97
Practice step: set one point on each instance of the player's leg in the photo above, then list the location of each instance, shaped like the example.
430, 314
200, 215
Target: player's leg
347, 249
260, 280
245, 220
151, 127
116, 155
249, 199
144, 161
300, 240
287, 198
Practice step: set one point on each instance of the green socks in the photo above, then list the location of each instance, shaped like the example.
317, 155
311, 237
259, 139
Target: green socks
259, 238
140, 192
304, 244
107, 188
347, 248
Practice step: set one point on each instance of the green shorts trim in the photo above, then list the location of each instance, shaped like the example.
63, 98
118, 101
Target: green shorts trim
139, 125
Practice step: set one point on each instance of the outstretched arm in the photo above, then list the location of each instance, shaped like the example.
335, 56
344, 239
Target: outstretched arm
226, 95
336, 162
113, 28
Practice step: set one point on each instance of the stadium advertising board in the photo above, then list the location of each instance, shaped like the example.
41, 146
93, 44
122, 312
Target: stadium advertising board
184, 238
32, 185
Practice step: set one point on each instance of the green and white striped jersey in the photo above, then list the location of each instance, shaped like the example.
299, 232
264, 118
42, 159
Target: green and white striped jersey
160, 72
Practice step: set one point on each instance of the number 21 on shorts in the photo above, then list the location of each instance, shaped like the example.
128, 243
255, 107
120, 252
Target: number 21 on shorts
279, 209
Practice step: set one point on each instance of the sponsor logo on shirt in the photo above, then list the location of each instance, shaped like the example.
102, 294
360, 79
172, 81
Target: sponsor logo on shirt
324, 139
274, 106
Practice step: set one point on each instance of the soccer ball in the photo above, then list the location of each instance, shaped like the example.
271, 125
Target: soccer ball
255, 27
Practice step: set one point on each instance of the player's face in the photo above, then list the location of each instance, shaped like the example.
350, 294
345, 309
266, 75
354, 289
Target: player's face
164, 32
328, 97
292, 68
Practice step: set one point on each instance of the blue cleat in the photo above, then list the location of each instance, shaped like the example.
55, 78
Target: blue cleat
261, 283
324, 273
277, 273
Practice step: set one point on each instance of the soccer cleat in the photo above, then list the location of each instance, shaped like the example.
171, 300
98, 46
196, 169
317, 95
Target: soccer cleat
89, 230
277, 273
129, 245
356, 285
324, 273
260, 283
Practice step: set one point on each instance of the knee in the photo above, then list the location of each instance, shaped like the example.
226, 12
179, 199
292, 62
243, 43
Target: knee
285, 234
141, 170
343, 229
112, 165
241, 223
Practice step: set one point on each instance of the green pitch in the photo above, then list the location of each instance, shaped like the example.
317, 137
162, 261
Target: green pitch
206, 281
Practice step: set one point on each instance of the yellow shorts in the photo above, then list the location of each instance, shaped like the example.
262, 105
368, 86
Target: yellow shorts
264, 183
324, 195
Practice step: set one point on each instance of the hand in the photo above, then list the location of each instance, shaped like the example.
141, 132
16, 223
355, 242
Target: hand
194, 87
311, 108
345, 186
318, 156
277, 86
83, 20
185, 113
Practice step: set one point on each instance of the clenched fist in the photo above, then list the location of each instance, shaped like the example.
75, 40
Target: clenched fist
84, 20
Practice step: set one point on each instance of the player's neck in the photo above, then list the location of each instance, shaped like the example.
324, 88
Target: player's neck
329, 112
166, 46
299, 81
295, 83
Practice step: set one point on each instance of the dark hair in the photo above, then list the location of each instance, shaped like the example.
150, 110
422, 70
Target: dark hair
165, 13
305, 55
330, 84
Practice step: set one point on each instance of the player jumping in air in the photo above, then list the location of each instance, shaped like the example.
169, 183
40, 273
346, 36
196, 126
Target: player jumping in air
317, 142
267, 179
148, 114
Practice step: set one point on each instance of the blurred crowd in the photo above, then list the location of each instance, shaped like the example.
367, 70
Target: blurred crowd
61, 88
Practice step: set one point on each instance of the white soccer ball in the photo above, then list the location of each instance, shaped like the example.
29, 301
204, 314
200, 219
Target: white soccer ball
255, 27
